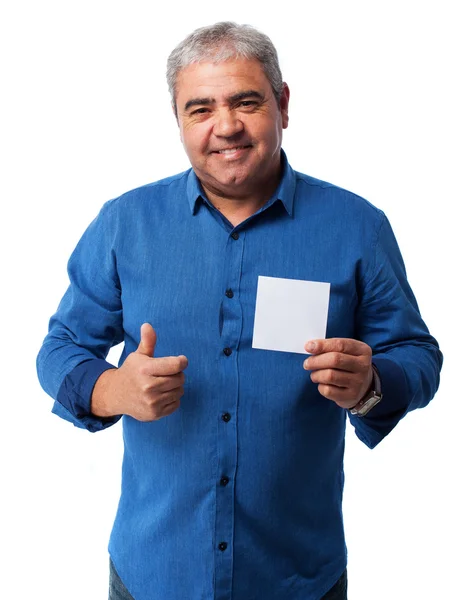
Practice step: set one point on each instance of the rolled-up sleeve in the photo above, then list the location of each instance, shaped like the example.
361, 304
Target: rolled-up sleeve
406, 355
88, 322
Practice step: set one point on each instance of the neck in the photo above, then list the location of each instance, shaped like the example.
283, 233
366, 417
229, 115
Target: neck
239, 208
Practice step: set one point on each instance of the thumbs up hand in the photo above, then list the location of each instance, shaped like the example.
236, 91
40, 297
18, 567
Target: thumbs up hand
148, 340
144, 387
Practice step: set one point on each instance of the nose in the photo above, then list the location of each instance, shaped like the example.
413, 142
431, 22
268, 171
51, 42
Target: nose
227, 123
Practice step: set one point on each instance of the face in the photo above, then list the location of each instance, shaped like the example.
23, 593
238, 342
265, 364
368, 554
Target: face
231, 125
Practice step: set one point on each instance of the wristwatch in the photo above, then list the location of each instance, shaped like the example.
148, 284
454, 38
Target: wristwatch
371, 399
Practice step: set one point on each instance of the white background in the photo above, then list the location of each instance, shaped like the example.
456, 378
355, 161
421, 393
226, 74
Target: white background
378, 106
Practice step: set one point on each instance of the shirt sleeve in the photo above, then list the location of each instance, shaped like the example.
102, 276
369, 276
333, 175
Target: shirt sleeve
88, 322
406, 355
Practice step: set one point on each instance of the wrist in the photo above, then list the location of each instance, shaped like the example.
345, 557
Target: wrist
102, 396
371, 398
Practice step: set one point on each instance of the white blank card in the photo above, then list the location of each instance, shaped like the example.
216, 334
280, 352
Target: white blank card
289, 313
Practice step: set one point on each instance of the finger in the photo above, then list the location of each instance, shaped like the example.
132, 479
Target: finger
342, 345
163, 384
147, 340
170, 408
165, 366
161, 410
333, 377
341, 396
157, 403
169, 398
333, 392
336, 360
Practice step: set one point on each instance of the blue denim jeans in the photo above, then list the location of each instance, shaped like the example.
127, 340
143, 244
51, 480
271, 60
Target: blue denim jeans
118, 591
340, 590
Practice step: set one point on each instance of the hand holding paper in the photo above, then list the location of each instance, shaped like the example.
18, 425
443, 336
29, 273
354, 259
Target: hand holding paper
342, 367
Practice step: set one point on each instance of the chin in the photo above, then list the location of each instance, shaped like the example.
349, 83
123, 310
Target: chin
233, 175
234, 182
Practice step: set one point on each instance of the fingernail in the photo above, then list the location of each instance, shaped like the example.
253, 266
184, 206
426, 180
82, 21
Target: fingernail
310, 346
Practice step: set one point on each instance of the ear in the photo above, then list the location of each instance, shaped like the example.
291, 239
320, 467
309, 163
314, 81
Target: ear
284, 105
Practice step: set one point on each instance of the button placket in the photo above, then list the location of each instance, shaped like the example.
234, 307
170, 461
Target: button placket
228, 402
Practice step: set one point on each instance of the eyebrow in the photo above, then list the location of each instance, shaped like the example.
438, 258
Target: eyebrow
231, 99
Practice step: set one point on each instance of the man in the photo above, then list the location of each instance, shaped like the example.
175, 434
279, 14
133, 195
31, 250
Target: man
233, 491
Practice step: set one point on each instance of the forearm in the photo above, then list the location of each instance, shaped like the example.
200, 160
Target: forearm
103, 394
388, 320
409, 377
68, 373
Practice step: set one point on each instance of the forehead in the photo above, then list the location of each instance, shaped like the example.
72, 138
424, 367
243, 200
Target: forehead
212, 80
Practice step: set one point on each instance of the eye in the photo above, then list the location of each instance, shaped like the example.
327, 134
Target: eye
199, 111
246, 106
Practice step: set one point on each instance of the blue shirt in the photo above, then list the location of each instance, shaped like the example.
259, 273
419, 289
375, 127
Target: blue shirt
238, 494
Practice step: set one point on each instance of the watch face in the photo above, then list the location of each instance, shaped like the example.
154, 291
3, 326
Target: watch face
370, 403
363, 407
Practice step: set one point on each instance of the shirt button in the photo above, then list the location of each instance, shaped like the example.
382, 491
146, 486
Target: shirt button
227, 351
226, 417
229, 293
222, 546
224, 481
235, 235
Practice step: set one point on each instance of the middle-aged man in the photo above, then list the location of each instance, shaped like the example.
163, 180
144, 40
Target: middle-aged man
235, 490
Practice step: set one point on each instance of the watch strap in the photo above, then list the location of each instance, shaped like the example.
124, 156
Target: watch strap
371, 399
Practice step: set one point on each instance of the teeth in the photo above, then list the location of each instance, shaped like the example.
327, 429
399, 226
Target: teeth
231, 150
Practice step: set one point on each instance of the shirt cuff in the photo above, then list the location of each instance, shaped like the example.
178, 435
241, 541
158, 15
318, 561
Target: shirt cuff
74, 396
395, 402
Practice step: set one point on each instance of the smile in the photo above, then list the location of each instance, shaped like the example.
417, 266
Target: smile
232, 151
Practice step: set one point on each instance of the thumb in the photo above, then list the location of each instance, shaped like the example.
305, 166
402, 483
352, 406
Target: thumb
147, 340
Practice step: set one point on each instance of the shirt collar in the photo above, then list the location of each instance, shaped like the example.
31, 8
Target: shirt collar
283, 193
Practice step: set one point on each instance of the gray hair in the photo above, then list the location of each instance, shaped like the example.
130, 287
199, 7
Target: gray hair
220, 42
